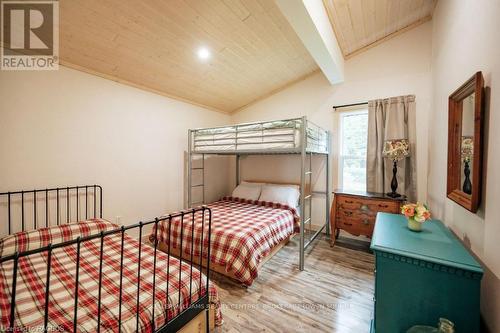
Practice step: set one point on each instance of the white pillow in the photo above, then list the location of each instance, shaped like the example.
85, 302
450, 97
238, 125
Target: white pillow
247, 191
288, 195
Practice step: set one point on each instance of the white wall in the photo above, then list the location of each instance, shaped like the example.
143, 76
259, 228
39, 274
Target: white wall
466, 40
65, 127
400, 66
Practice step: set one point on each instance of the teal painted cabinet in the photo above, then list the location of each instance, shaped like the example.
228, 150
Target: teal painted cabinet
422, 276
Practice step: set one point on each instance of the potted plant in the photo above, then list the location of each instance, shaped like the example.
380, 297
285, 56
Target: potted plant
416, 214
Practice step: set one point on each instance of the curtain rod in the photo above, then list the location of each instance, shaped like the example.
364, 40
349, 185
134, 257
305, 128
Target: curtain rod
348, 105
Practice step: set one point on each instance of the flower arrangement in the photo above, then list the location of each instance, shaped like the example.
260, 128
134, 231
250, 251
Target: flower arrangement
416, 214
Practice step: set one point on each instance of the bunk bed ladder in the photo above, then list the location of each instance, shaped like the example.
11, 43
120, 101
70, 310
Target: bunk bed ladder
202, 184
192, 168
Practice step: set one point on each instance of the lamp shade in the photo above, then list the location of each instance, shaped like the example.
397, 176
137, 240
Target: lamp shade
397, 149
467, 148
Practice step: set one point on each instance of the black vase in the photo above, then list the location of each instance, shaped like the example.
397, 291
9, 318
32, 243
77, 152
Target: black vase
467, 187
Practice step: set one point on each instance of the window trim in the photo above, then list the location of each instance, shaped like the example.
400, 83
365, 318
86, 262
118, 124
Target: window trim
342, 115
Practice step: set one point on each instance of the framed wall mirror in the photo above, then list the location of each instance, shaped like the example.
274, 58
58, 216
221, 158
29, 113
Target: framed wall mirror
465, 143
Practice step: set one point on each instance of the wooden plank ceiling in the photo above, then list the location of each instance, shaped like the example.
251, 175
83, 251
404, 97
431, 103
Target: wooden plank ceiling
152, 44
360, 24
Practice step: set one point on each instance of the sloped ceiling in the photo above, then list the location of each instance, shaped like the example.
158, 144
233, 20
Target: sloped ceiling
360, 24
153, 44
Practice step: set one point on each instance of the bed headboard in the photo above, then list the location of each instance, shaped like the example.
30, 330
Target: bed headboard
269, 182
307, 188
31, 209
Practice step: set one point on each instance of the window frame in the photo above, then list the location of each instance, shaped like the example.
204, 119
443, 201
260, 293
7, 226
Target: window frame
342, 115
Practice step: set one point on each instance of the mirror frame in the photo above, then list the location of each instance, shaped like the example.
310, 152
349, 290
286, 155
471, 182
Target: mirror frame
474, 85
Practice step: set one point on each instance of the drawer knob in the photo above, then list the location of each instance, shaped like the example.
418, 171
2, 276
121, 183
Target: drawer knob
364, 208
348, 213
366, 222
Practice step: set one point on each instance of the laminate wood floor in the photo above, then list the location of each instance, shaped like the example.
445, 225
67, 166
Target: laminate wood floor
333, 294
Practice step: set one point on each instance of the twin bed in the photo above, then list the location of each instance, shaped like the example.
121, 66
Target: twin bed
92, 275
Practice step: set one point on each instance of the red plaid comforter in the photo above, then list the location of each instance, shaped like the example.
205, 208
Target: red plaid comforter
243, 232
31, 280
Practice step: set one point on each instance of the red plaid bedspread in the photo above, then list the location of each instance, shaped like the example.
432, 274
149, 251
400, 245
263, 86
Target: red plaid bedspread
31, 280
243, 232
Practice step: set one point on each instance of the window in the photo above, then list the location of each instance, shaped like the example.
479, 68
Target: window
352, 157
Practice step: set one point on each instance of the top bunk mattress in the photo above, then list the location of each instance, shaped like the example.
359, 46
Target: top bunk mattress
281, 136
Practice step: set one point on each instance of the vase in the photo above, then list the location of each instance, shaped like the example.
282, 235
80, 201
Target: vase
467, 187
414, 225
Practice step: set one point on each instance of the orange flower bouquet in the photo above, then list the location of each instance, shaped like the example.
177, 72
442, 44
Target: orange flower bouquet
416, 214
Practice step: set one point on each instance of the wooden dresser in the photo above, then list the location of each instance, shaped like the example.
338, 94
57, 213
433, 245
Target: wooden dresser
356, 212
422, 276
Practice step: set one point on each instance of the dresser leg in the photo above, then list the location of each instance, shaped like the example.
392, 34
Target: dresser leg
334, 236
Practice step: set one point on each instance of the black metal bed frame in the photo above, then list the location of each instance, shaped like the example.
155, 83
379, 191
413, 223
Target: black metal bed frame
67, 192
174, 324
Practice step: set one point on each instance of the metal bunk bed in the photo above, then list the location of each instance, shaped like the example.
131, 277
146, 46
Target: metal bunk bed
290, 136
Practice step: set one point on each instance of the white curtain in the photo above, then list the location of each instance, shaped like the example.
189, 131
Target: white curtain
391, 118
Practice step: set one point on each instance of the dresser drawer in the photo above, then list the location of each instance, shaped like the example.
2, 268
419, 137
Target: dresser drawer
384, 206
357, 214
364, 204
357, 226
343, 212
349, 202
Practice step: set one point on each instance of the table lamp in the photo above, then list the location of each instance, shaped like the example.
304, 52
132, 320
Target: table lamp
396, 150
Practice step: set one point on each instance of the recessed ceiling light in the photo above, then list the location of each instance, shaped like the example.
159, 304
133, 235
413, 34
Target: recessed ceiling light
203, 53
